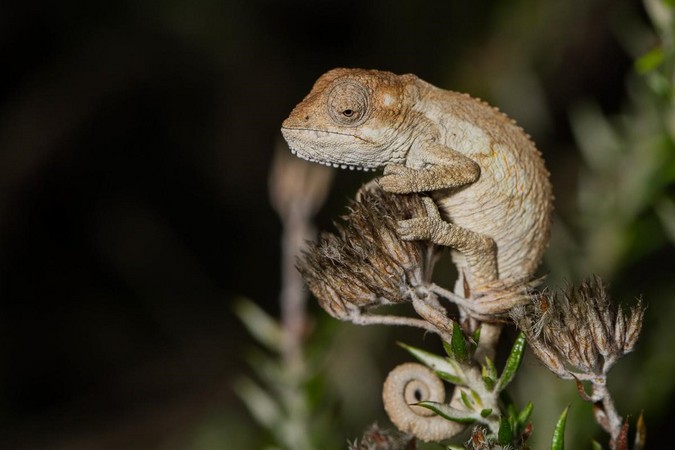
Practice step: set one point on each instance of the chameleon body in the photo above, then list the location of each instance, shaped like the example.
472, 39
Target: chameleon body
483, 172
490, 197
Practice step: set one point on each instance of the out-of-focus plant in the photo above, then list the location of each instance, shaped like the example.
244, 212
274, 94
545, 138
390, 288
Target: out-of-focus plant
625, 202
284, 401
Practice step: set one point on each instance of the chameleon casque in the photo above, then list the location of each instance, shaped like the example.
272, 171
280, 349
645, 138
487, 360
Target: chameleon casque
490, 197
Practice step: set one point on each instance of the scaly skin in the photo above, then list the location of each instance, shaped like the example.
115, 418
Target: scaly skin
491, 193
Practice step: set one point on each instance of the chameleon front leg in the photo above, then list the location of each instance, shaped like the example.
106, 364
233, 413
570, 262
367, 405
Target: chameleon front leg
436, 167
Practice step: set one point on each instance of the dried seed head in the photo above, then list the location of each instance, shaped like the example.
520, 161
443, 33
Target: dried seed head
375, 438
481, 440
579, 328
366, 264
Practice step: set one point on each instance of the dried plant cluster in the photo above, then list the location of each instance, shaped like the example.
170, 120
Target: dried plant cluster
579, 333
366, 264
375, 438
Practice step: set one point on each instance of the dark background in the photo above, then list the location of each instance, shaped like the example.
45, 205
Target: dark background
135, 143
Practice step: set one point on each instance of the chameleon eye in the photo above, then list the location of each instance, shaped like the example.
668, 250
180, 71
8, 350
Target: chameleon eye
348, 103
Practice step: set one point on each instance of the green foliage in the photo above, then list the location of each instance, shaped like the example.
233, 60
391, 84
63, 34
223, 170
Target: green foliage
512, 363
284, 401
505, 433
446, 368
558, 441
458, 345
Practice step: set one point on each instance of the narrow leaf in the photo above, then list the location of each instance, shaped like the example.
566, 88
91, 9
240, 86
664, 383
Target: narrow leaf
650, 60
486, 412
260, 324
448, 349
489, 369
467, 402
448, 412
449, 377
458, 344
505, 433
260, 404
558, 441
476, 336
524, 415
436, 363
640, 433
489, 383
595, 445
512, 363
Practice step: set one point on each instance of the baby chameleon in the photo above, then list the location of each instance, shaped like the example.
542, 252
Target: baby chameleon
490, 199
491, 193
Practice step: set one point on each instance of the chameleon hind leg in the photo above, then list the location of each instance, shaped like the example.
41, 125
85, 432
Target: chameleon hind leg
479, 250
480, 253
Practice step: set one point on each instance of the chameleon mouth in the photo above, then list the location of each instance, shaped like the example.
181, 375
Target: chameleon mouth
332, 164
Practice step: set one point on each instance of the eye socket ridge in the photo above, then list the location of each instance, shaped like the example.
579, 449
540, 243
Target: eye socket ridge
348, 103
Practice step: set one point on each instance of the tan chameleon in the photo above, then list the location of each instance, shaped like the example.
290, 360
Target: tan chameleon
482, 170
484, 174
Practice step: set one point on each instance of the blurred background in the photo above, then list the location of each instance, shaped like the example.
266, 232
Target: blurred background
136, 140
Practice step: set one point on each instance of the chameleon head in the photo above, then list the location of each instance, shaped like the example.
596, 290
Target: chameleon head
352, 119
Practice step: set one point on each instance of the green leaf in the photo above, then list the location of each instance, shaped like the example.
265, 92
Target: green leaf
437, 363
466, 400
486, 412
558, 441
448, 412
505, 433
262, 406
489, 383
458, 344
476, 336
260, 324
489, 374
512, 363
448, 349
595, 445
489, 368
524, 415
650, 60
449, 377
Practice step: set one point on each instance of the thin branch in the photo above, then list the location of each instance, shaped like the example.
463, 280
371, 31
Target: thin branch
378, 319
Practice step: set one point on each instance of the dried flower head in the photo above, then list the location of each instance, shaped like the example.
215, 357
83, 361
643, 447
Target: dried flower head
579, 328
375, 438
481, 440
366, 264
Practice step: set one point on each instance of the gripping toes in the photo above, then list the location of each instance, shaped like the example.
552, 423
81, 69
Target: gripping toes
421, 228
397, 179
415, 229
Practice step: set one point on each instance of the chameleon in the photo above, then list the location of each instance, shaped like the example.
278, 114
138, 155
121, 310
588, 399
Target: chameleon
489, 198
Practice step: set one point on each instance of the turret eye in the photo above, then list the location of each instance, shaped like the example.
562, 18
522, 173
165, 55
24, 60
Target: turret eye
348, 103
